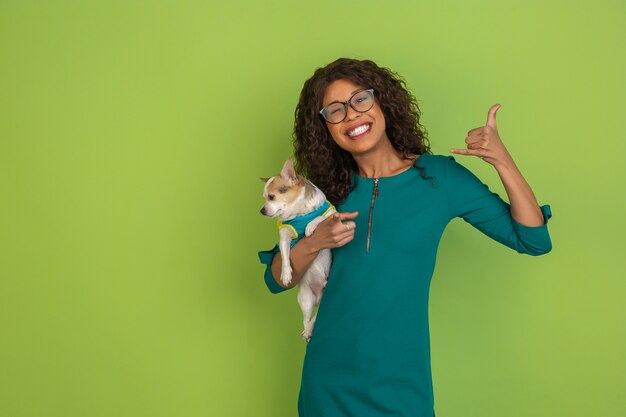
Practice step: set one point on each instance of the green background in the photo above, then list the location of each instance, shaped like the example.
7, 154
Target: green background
132, 137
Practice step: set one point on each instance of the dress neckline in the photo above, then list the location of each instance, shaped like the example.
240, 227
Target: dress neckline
391, 178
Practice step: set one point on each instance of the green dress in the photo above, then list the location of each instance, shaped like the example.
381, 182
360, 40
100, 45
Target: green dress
369, 355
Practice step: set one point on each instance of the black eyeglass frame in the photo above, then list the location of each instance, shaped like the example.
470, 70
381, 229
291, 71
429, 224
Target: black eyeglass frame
345, 106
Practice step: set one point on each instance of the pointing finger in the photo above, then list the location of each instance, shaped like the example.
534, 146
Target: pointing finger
343, 216
339, 216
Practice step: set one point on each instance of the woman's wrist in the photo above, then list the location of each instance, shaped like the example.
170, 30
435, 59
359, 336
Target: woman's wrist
310, 243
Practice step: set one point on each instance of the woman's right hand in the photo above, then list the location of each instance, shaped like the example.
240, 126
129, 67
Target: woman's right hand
332, 232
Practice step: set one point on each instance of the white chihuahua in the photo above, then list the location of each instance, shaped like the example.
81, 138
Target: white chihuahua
300, 206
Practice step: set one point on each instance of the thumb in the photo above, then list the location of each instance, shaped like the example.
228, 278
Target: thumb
491, 116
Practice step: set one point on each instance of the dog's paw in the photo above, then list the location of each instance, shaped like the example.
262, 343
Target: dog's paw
306, 335
285, 276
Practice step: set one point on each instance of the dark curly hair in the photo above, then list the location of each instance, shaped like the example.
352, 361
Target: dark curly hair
318, 157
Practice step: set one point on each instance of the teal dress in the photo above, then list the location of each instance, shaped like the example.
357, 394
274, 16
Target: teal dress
369, 355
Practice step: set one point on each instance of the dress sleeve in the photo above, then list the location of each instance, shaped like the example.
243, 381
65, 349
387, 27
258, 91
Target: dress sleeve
471, 199
266, 257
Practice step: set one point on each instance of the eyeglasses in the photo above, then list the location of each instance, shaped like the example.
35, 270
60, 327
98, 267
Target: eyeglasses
337, 111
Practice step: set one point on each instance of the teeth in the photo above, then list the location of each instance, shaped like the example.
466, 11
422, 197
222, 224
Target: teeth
359, 130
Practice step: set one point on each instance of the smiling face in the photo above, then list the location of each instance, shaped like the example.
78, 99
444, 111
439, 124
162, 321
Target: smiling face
358, 132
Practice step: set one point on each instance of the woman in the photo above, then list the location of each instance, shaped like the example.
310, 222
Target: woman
357, 137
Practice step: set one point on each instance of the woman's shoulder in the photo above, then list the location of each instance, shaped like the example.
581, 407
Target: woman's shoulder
433, 159
431, 166
434, 163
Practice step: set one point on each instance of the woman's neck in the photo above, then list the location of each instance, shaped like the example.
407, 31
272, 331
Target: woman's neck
382, 163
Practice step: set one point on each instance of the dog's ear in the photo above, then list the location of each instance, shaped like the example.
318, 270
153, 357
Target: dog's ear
264, 179
288, 172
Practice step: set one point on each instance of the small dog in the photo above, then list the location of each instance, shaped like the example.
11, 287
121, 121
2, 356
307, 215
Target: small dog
300, 206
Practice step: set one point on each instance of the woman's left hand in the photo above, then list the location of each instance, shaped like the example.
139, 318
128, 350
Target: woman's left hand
485, 143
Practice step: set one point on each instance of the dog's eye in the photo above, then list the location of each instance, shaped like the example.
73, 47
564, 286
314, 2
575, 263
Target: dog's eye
283, 190
271, 196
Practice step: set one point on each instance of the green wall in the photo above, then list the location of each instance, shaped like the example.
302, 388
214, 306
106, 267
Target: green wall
132, 137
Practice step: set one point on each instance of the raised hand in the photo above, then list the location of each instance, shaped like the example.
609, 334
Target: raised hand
485, 143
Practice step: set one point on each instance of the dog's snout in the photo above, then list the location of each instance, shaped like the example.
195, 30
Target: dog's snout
263, 210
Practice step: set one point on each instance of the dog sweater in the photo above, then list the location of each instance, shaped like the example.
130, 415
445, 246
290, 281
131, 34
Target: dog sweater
298, 224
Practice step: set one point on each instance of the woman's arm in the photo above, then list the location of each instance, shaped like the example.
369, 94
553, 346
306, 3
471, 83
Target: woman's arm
330, 233
521, 225
485, 143
524, 207
302, 255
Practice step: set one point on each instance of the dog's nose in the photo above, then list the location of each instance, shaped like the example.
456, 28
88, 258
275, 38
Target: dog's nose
263, 210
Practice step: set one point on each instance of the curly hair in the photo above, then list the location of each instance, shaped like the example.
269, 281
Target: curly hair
318, 157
